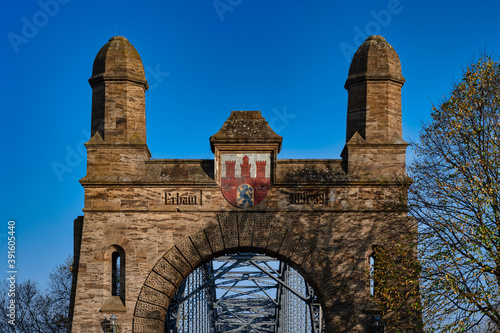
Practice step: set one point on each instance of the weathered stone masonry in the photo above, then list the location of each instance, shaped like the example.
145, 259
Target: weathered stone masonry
167, 217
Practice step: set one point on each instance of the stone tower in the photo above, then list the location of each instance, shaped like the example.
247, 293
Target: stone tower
149, 223
118, 129
374, 141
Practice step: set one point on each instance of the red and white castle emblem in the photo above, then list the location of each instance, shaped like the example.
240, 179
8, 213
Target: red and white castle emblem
245, 178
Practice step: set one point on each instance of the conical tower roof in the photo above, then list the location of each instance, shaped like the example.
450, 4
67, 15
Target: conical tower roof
118, 60
375, 59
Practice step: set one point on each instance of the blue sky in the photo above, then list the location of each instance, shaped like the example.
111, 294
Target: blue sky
203, 59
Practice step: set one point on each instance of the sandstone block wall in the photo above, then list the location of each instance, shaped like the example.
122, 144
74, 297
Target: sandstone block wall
166, 217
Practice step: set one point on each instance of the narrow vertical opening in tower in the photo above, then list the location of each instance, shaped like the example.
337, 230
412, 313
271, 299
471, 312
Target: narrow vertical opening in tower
115, 272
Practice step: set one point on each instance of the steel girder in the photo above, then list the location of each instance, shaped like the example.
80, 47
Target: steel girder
244, 293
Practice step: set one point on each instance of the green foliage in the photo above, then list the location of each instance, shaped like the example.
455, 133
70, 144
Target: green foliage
396, 278
456, 199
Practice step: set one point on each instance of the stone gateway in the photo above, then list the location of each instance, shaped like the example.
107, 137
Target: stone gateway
148, 223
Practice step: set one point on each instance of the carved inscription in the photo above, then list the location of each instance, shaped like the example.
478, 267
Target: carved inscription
308, 198
183, 198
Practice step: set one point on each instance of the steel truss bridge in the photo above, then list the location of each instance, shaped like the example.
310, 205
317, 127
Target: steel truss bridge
244, 293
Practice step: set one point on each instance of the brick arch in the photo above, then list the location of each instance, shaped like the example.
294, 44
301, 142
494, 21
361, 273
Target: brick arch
234, 232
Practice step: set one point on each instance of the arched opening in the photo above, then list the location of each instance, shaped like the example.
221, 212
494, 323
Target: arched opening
372, 274
244, 292
374, 270
239, 233
115, 272
118, 272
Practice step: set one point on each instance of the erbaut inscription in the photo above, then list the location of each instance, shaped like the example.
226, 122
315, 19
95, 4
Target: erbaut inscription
183, 198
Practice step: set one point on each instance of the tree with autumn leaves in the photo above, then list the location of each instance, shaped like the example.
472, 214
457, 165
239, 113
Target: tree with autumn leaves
454, 195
